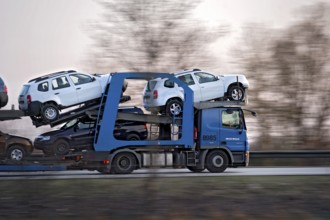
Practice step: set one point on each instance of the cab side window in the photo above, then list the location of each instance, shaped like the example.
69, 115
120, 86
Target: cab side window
43, 87
231, 119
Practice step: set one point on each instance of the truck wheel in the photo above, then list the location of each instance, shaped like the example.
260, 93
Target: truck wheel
174, 108
16, 152
61, 147
133, 137
49, 112
124, 163
236, 93
216, 161
195, 169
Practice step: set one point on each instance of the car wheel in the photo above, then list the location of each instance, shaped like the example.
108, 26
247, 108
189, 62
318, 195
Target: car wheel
50, 112
16, 152
124, 163
3, 99
48, 152
133, 137
174, 108
216, 161
236, 93
61, 147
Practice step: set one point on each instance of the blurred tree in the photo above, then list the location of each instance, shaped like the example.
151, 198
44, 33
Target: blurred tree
289, 71
142, 35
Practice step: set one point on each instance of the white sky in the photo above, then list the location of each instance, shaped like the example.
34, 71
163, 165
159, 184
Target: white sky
42, 36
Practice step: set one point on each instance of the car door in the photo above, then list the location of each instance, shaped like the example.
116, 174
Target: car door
87, 87
65, 94
191, 82
210, 86
83, 135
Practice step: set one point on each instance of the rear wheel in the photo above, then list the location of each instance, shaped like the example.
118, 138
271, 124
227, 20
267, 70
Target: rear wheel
61, 147
174, 107
16, 152
133, 137
124, 163
216, 161
195, 169
50, 112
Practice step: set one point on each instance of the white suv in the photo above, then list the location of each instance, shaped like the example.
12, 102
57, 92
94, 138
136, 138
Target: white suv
44, 96
162, 95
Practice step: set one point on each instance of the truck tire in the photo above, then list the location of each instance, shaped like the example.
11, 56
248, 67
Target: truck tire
61, 147
124, 163
236, 93
195, 169
50, 112
216, 161
16, 152
174, 107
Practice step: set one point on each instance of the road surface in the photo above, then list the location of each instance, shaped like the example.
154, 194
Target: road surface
143, 173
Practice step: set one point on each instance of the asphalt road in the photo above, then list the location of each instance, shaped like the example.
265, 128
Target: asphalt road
176, 173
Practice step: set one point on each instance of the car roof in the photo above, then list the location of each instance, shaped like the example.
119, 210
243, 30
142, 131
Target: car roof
51, 75
186, 71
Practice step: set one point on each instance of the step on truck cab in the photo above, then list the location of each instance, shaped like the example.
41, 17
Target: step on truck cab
200, 138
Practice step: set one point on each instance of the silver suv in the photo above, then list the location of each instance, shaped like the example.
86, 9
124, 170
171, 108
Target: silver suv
45, 96
162, 95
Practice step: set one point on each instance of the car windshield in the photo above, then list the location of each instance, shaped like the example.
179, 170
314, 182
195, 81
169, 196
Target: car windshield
25, 89
69, 124
151, 85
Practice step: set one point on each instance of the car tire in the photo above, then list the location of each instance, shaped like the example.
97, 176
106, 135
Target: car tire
50, 112
16, 152
61, 147
216, 161
3, 99
133, 137
174, 107
236, 93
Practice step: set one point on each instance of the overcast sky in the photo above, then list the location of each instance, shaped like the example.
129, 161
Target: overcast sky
43, 36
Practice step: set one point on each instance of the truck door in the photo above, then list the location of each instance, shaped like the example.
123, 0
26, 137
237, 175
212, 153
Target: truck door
233, 132
209, 128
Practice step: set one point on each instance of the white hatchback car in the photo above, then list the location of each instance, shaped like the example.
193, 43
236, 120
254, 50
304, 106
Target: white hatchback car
44, 96
162, 95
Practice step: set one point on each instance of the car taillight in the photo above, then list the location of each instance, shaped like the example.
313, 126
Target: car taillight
145, 126
6, 90
155, 93
29, 99
195, 133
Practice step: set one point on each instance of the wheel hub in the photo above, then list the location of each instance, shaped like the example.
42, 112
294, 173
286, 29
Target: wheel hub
217, 161
16, 154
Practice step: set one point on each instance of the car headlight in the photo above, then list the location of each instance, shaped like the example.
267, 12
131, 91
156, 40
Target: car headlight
43, 138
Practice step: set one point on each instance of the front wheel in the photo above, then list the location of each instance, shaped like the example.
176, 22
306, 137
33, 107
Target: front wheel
61, 147
50, 112
236, 93
124, 163
16, 152
216, 161
174, 107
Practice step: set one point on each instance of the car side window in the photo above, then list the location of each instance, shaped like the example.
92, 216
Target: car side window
187, 79
85, 125
43, 87
169, 84
205, 77
78, 79
60, 83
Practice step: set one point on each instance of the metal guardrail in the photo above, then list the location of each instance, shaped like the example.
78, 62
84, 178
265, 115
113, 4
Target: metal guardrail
291, 154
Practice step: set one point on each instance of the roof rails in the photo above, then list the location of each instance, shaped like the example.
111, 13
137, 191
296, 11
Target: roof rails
38, 79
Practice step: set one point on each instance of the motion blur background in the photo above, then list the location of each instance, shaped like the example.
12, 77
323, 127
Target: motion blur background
281, 46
